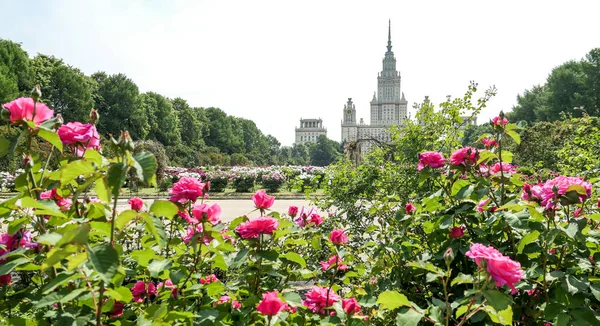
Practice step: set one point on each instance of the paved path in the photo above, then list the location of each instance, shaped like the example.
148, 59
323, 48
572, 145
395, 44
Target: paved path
233, 208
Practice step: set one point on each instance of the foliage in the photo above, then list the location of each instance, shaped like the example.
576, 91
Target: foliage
571, 89
324, 152
243, 181
272, 181
218, 180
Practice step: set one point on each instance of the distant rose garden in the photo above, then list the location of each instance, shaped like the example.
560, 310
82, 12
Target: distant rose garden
454, 235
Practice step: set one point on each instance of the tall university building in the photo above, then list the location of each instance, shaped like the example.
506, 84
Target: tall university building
388, 107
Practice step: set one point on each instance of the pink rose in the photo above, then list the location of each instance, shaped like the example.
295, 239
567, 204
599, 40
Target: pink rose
186, 189
338, 237
141, 290
137, 204
578, 212
489, 142
262, 200
562, 183
532, 193
191, 231
316, 299
464, 156
256, 226
293, 211
5, 279
457, 232
431, 159
226, 298
502, 269
350, 306
506, 167
500, 121
169, 285
209, 279
598, 202
334, 261
79, 136
271, 304
481, 205
117, 310
205, 212
410, 208
23, 107
308, 216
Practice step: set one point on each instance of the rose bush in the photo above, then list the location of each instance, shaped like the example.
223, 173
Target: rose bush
433, 258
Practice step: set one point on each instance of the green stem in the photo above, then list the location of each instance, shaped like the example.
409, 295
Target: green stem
114, 217
46, 165
99, 308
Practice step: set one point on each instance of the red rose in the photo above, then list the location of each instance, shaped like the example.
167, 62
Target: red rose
23, 107
256, 226
338, 237
271, 304
136, 204
79, 136
262, 200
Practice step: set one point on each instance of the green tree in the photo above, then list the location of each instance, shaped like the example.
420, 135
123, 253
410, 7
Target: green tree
222, 132
189, 124
591, 68
531, 106
118, 102
162, 118
16, 63
325, 151
66, 89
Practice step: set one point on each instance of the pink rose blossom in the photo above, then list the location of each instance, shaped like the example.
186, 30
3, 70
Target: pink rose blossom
464, 156
350, 306
457, 232
338, 237
262, 201
191, 231
308, 216
489, 142
293, 211
271, 304
169, 285
186, 189
209, 279
205, 212
117, 310
316, 299
506, 167
23, 107
5, 279
500, 121
234, 303
410, 208
532, 193
578, 212
141, 290
257, 226
334, 261
431, 159
502, 269
562, 183
137, 204
79, 136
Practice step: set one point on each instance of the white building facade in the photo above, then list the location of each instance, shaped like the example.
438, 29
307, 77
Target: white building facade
388, 107
310, 130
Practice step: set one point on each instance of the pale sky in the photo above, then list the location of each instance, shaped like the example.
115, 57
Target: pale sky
276, 61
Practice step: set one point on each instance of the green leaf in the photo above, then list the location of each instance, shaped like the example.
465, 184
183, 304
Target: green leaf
7, 267
572, 229
293, 299
4, 146
124, 218
58, 280
74, 170
507, 157
51, 137
145, 167
49, 239
458, 185
574, 285
527, 239
580, 190
562, 320
143, 257
17, 224
156, 227
514, 135
462, 279
105, 260
158, 266
164, 208
117, 172
177, 315
121, 294
78, 235
503, 317
316, 242
240, 258
102, 190
485, 155
408, 317
497, 299
56, 255
76, 260
391, 300
292, 256
215, 289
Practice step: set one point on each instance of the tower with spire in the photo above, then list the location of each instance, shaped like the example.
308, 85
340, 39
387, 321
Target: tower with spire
388, 106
